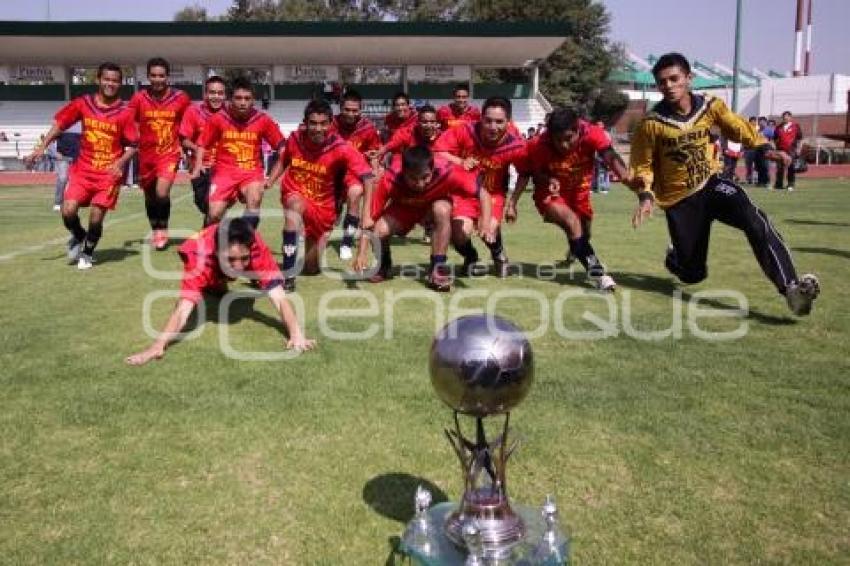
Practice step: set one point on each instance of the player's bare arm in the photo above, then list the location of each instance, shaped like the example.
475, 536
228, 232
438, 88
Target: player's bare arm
175, 324
296, 340
519, 188
42, 146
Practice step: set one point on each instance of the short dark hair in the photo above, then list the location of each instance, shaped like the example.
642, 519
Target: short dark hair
787, 112
318, 106
671, 60
498, 102
214, 79
109, 66
762, 118
403, 95
236, 231
561, 120
426, 109
159, 62
458, 87
417, 158
352, 95
752, 119
241, 83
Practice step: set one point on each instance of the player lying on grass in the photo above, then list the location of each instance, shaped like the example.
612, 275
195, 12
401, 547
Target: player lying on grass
314, 160
194, 122
158, 110
404, 197
236, 134
672, 165
108, 142
561, 161
486, 148
217, 254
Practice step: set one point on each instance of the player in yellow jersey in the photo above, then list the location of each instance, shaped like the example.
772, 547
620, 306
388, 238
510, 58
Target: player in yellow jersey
672, 165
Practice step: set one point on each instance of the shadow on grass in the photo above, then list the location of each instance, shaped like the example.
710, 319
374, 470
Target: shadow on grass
665, 286
808, 222
391, 495
239, 310
825, 251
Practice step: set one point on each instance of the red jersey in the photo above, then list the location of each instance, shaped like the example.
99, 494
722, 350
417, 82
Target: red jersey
409, 137
493, 160
574, 170
785, 136
193, 124
313, 170
448, 117
363, 136
448, 180
238, 142
106, 131
202, 269
159, 120
394, 123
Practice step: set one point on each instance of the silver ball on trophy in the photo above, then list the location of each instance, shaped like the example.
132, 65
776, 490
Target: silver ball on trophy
481, 365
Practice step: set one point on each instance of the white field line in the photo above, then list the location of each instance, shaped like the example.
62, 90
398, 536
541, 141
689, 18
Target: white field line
64, 239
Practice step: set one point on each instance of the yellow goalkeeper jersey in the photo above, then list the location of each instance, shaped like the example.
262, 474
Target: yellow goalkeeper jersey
674, 155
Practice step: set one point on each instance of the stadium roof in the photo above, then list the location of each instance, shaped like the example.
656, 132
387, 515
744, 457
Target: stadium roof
504, 44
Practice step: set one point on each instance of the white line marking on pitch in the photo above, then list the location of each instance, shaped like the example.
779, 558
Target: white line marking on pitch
63, 239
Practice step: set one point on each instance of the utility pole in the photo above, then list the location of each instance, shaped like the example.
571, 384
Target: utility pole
737, 62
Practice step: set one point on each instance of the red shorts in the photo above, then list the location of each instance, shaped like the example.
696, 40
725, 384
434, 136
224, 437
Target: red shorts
470, 207
157, 167
405, 217
577, 201
318, 218
227, 185
100, 189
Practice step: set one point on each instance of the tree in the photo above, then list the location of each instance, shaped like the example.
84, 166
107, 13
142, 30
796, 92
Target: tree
193, 13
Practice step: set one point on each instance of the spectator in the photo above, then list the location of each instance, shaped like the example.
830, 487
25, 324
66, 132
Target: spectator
731, 154
787, 137
750, 156
762, 171
67, 149
532, 131
3, 137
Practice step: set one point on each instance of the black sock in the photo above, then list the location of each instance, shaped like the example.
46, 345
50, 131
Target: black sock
349, 229
92, 238
467, 250
164, 211
496, 248
583, 251
75, 227
152, 210
386, 256
290, 251
437, 260
252, 217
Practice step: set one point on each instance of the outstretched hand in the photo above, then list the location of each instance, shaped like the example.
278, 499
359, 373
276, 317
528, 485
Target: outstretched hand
642, 211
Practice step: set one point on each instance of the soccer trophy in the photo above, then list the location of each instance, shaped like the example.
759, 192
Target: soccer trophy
482, 366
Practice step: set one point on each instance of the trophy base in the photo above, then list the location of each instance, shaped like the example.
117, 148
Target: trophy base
435, 548
500, 528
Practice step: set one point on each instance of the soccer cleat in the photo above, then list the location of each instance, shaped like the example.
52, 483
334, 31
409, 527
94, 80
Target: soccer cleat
57, 207
440, 281
85, 262
345, 252
790, 188
802, 293
605, 283
159, 239
74, 248
289, 284
502, 266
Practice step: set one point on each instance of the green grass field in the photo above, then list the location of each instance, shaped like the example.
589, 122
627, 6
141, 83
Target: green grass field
674, 451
